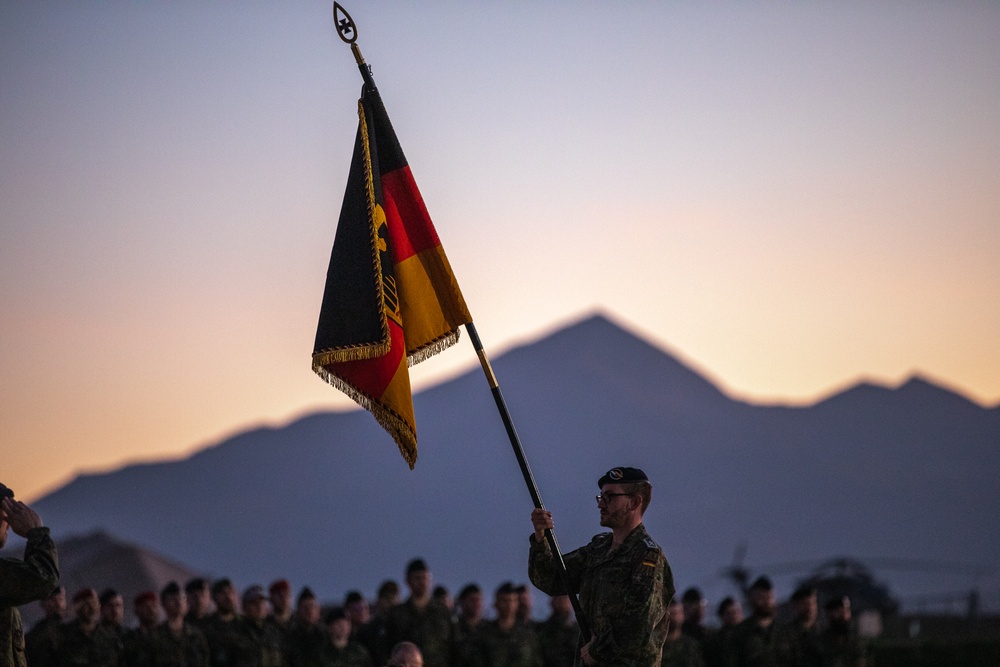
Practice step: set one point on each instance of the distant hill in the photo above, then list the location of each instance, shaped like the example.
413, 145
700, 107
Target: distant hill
907, 473
101, 561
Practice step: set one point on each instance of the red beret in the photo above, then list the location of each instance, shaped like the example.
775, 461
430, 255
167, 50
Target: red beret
145, 596
280, 586
84, 593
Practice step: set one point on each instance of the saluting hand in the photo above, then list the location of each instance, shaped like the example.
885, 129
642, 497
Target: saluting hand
19, 516
541, 519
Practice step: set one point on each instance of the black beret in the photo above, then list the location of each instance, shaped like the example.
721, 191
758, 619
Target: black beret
837, 603
170, 589
221, 585
622, 476
387, 588
802, 592
196, 584
692, 594
306, 594
107, 595
353, 597
416, 565
335, 614
468, 589
726, 603
507, 588
762, 584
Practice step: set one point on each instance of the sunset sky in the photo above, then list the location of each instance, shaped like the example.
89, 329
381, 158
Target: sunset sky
790, 196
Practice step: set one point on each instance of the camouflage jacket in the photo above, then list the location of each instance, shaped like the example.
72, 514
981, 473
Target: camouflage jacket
189, 648
624, 594
258, 645
842, 649
222, 637
751, 645
352, 655
517, 647
98, 648
558, 637
685, 651
136, 644
429, 628
464, 644
21, 582
42, 641
798, 646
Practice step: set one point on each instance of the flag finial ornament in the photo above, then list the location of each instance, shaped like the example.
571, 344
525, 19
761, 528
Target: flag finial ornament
346, 27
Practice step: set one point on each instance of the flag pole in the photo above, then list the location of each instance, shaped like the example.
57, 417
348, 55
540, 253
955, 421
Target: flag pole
348, 32
529, 479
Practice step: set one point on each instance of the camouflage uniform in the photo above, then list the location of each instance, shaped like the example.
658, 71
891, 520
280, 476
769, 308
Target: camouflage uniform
374, 636
284, 628
304, 644
517, 647
42, 641
100, 648
753, 646
624, 594
716, 646
799, 647
685, 651
429, 628
463, 644
21, 582
221, 637
187, 649
842, 649
558, 638
136, 645
352, 655
258, 645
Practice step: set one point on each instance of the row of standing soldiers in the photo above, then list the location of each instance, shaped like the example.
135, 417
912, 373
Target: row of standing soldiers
759, 640
265, 631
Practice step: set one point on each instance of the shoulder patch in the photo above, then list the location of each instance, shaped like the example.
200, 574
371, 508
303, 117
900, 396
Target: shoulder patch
648, 541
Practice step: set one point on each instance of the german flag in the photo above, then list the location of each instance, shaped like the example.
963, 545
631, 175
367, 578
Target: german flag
391, 299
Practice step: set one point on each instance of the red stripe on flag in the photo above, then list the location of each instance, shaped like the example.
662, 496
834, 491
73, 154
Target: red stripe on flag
372, 376
410, 226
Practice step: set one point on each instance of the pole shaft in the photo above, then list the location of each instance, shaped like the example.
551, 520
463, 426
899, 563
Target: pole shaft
529, 479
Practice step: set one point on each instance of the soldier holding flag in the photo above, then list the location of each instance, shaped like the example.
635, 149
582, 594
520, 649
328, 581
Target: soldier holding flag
623, 579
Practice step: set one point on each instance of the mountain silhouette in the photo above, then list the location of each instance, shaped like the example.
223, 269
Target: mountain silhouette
326, 500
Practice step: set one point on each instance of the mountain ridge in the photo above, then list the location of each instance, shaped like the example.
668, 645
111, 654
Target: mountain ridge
795, 482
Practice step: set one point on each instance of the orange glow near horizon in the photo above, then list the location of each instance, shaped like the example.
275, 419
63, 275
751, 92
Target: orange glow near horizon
791, 199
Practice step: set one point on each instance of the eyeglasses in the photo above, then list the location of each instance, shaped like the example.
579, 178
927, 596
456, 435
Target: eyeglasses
608, 497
